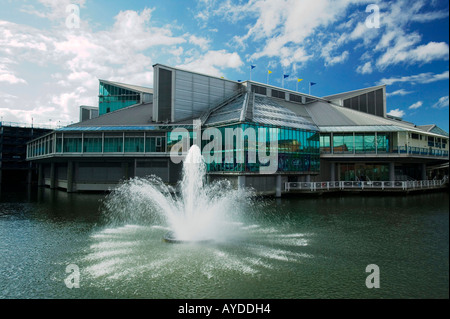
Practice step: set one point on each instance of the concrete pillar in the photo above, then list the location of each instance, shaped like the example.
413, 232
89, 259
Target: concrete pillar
332, 172
70, 177
278, 186
125, 171
52, 176
392, 171
424, 172
29, 176
40, 174
241, 181
308, 178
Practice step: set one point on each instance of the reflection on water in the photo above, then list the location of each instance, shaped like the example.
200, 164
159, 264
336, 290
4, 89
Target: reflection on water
315, 247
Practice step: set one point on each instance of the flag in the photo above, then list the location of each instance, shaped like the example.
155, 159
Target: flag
299, 80
286, 75
312, 83
253, 66
269, 72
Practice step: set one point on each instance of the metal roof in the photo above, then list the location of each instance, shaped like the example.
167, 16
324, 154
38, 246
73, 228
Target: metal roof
250, 107
140, 115
268, 111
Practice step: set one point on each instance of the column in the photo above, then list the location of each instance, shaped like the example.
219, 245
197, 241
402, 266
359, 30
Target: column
332, 172
392, 171
278, 186
52, 176
424, 172
40, 174
125, 171
70, 177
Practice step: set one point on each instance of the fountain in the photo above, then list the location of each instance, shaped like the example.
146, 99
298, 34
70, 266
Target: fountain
194, 212
220, 235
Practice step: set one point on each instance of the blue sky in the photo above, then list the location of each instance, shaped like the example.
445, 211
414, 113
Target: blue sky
48, 69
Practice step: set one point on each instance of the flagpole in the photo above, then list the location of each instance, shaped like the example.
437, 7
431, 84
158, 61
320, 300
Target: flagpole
251, 72
309, 88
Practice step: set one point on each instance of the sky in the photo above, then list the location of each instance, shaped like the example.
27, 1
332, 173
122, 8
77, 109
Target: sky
53, 52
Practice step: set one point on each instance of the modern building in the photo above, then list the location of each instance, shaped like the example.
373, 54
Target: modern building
14, 168
346, 137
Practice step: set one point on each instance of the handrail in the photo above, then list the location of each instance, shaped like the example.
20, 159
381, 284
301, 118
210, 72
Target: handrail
361, 185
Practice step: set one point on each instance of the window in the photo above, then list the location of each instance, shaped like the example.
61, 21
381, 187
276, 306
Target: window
72, 144
259, 89
295, 98
113, 144
164, 95
278, 94
92, 144
155, 144
415, 136
134, 144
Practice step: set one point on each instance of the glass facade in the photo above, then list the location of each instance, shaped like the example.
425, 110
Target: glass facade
112, 98
97, 143
354, 143
364, 172
298, 150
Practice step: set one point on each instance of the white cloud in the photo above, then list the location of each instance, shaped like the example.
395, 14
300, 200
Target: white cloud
422, 78
74, 60
396, 113
203, 43
400, 92
6, 74
415, 106
52, 9
365, 69
213, 62
442, 103
403, 52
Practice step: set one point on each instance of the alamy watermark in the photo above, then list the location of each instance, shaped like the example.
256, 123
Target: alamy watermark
73, 17
252, 145
73, 280
373, 20
373, 280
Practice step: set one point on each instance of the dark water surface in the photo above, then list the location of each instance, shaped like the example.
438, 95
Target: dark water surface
315, 247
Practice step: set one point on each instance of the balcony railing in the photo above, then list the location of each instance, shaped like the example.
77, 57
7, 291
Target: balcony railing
370, 185
403, 150
420, 151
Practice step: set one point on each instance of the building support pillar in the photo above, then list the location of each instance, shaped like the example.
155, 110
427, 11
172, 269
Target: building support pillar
392, 171
70, 177
29, 176
125, 171
52, 176
333, 172
278, 186
308, 178
424, 172
241, 181
40, 174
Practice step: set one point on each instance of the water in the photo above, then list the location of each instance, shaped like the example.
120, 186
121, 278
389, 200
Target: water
316, 247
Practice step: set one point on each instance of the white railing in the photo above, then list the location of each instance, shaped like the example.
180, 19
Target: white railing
366, 185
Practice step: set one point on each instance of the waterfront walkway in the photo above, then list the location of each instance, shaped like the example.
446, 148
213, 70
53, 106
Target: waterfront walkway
371, 186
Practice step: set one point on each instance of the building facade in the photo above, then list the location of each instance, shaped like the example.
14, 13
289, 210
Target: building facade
14, 167
344, 137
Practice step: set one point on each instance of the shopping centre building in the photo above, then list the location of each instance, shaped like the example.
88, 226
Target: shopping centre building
346, 137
